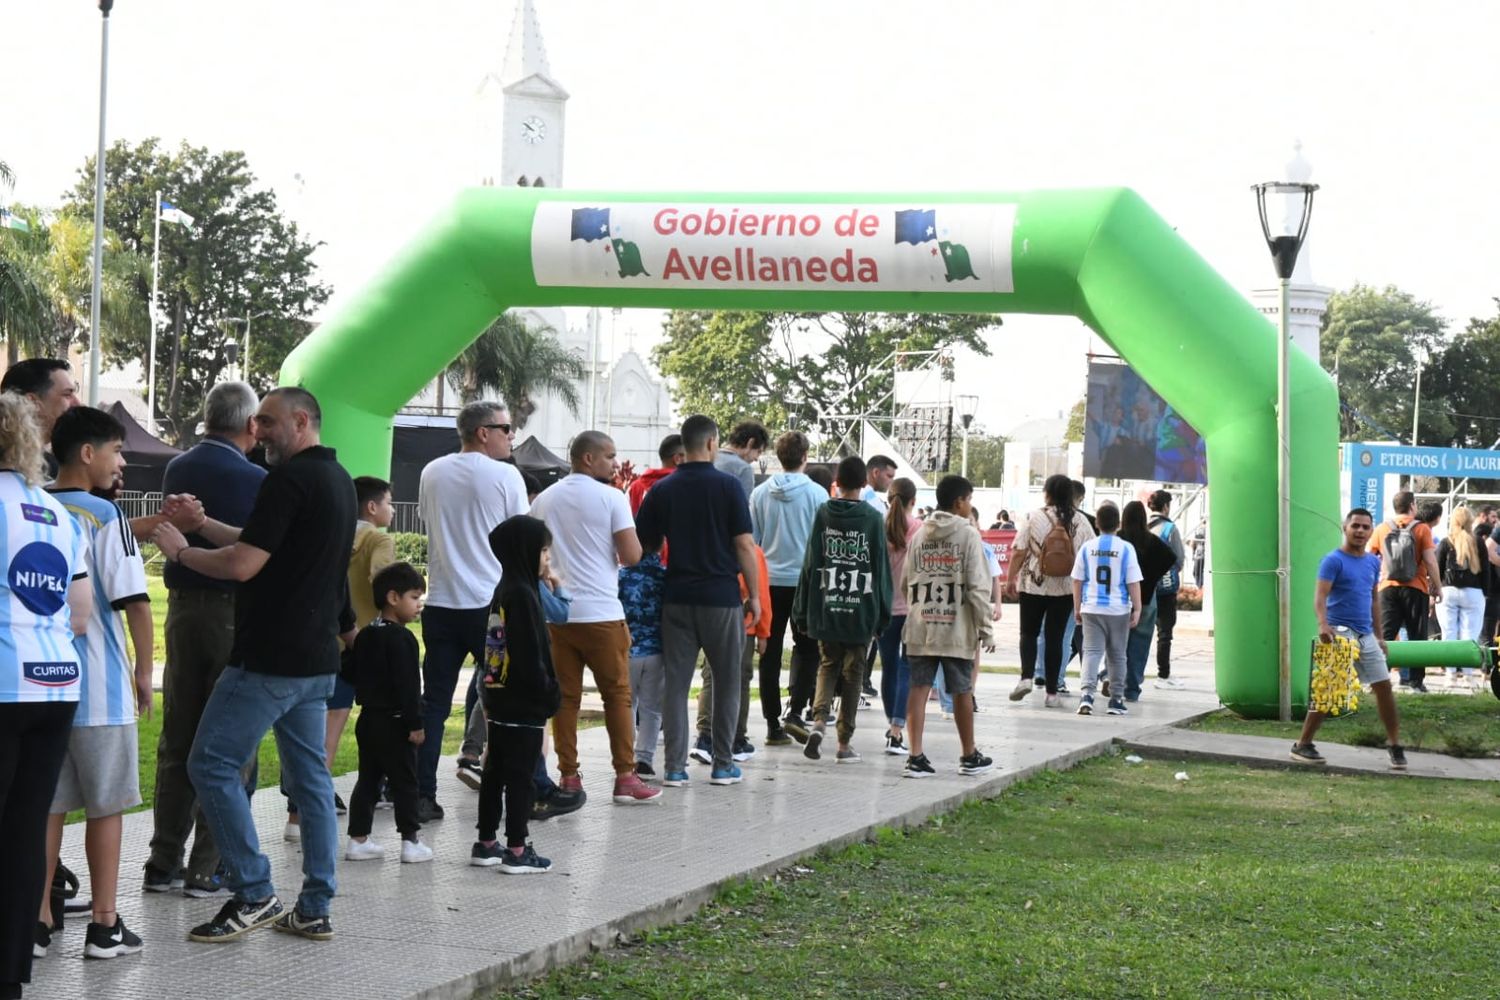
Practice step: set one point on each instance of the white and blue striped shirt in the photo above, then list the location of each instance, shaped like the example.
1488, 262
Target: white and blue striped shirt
43, 550
1107, 566
119, 576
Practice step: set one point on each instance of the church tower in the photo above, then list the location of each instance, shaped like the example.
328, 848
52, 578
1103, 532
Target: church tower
524, 141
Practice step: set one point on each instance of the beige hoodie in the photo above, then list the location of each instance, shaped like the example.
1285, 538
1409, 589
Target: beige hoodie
947, 588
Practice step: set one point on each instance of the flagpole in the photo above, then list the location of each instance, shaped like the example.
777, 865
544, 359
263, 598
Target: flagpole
104, 9
151, 377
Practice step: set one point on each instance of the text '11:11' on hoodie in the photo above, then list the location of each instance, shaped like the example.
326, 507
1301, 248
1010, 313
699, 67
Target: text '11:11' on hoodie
844, 592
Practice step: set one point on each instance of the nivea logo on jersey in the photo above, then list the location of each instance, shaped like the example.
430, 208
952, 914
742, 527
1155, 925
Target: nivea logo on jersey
41, 515
38, 577
49, 674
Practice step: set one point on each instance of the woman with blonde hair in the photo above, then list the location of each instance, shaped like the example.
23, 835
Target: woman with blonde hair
46, 590
895, 669
1464, 570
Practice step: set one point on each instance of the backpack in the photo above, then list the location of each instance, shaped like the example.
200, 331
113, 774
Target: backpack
1057, 555
1170, 582
1398, 552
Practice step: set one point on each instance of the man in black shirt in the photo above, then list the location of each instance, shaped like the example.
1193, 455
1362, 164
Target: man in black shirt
292, 561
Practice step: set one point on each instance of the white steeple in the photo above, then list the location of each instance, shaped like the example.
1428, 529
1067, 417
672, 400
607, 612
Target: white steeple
521, 110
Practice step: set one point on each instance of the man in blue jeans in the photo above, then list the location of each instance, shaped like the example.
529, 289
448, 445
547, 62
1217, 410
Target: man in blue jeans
292, 561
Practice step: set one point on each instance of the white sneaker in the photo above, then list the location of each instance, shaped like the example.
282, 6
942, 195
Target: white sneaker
366, 850
291, 833
1053, 701
414, 852
1022, 689
1169, 684
946, 715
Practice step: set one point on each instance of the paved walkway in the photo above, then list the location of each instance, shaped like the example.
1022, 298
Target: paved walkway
1265, 751
445, 929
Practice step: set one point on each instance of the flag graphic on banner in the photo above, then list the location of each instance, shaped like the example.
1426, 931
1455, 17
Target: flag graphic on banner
956, 261
916, 226
628, 257
171, 213
9, 220
590, 224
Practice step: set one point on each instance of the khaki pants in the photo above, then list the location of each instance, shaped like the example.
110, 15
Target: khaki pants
705, 693
603, 647
841, 671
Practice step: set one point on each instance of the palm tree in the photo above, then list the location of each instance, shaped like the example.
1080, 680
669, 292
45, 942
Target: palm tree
27, 316
518, 362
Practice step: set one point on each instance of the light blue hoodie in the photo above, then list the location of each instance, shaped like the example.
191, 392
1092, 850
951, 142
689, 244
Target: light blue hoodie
781, 513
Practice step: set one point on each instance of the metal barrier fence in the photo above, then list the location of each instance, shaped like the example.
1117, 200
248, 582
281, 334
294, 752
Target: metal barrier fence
136, 504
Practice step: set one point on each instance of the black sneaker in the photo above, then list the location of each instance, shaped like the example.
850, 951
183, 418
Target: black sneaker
703, 750
205, 887
974, 763
743, 749
528, 862
814, 741
1398, 756
645, 771
1420, 687
110, 942
559, 803
236, 918
157, 880
1307, 753
895, 746
339, 808
294, 921
776, 736
470, 772
918, 766
481, 856
428, 811
42, 941
795, 727
869, 692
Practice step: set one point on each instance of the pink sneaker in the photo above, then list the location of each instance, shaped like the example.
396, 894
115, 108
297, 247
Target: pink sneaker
572, 783
630, 790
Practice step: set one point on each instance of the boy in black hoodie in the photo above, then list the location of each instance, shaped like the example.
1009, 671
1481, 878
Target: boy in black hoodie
843, 599
518, 688
384, 669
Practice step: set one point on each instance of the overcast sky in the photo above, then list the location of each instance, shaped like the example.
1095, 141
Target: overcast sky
373, 104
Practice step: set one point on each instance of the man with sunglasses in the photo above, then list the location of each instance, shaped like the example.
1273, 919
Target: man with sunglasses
462, 497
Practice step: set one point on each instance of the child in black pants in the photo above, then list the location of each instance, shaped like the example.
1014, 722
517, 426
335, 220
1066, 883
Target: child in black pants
385, 669
519, 690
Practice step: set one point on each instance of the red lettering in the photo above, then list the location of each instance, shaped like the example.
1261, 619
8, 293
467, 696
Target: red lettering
673, 265
691, 223
817, 269
788, 264
869, 225
844, 224
666, 221
749, 225
714, 224
810, 225
721, 268
842, 268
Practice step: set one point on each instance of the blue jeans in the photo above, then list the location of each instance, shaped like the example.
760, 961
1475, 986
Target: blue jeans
895, 672
242, 707
1041, 651
450, 634
1138, 650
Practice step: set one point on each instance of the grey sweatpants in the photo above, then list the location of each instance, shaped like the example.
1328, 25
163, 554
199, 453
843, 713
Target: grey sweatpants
720, 634
1104, 636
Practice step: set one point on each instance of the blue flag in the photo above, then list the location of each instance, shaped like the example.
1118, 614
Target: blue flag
914, 226
590, 224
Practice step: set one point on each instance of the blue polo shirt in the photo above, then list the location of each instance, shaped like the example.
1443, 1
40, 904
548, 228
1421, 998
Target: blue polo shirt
699, 511
216, 472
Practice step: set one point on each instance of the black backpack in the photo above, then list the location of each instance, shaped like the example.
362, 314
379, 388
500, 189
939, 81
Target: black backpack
1398, 552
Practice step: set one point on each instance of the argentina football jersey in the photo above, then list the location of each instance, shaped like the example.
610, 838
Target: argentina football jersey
42, 550
119, 578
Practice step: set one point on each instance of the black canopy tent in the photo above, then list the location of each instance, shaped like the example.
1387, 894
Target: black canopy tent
146, 456
414, 447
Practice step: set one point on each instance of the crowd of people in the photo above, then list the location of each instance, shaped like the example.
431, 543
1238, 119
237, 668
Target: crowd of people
287, 606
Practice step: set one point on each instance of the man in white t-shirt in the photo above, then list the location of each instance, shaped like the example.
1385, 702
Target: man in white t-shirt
462, 498
593, 535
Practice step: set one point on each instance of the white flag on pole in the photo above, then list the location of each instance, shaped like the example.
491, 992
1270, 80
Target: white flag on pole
171, 213
9, 220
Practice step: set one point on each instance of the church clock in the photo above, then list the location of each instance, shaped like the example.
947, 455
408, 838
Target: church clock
533, 130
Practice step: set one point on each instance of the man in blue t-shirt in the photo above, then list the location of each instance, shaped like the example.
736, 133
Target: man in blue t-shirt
1347, 605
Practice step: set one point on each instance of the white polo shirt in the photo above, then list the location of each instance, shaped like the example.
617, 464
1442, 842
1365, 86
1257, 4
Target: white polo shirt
583, 515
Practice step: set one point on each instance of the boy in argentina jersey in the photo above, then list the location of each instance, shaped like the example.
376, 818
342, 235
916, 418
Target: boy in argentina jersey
1107, 603
100, 772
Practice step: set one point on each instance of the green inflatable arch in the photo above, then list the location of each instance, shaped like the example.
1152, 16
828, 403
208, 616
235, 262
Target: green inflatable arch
1101, 255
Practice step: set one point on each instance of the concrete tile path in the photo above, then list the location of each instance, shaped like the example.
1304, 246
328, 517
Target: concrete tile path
445, 929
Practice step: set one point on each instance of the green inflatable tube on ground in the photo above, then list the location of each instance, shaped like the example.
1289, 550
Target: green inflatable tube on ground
1101, 255
1444, 653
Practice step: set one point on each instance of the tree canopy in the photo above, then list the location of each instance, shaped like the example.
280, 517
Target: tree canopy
800, 369
1370, 340
240, 259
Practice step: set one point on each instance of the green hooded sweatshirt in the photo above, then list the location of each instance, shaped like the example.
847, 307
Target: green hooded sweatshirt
844, 592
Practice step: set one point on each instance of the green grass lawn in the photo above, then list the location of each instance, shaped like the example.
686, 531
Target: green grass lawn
1112, 880
1462, 725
